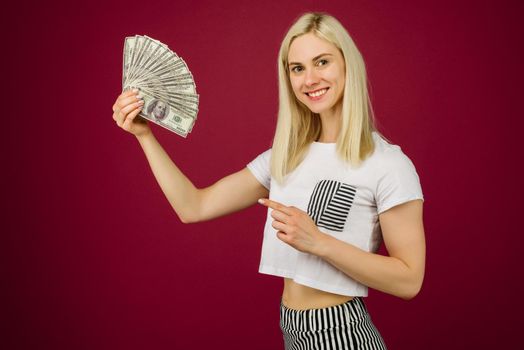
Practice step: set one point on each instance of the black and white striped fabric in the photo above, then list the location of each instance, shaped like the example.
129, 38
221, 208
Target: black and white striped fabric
330, 203
344, 326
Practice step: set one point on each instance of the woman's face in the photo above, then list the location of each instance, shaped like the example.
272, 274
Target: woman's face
316, 72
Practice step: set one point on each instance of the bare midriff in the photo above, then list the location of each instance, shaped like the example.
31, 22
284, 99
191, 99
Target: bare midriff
300, 297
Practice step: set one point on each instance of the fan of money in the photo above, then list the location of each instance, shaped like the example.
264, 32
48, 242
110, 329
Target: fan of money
164, 82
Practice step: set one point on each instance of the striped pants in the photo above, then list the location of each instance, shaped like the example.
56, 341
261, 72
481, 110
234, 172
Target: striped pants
344, 326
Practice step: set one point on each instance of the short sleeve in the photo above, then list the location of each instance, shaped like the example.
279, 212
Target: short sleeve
398, 182
259, 167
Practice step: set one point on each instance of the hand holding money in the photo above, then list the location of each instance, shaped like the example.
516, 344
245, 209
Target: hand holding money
164, 82
125, 111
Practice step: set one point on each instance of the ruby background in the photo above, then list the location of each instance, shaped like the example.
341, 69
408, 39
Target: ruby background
93, 257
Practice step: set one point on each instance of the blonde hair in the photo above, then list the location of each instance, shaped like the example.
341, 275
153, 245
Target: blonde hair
297, 127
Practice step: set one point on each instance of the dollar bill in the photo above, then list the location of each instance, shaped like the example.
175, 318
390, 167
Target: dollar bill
161, 112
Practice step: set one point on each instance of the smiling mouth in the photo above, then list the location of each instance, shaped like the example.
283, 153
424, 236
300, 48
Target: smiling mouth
317, 93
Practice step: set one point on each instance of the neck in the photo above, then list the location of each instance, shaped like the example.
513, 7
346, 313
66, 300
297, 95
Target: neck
331, 123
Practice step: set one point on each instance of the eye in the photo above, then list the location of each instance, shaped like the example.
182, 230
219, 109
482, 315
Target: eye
296, 69
322, 62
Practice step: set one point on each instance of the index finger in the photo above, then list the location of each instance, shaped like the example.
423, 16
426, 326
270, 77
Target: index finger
274, 205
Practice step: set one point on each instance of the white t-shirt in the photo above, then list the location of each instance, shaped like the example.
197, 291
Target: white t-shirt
343, 201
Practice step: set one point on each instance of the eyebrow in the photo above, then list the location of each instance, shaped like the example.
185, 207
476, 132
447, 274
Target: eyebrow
314, 59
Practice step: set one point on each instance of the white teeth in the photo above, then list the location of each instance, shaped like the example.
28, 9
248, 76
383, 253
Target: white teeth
318, 93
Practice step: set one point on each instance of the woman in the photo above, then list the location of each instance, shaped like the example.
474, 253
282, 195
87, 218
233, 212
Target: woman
336, 189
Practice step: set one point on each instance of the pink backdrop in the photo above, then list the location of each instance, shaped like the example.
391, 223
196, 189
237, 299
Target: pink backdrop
92, 255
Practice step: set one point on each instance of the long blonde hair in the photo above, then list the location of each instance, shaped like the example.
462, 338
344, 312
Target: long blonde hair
297, 127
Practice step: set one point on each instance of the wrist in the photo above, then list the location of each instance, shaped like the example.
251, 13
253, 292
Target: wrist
144, 136
323, 244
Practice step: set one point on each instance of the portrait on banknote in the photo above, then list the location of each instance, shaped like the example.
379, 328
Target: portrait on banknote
157, 109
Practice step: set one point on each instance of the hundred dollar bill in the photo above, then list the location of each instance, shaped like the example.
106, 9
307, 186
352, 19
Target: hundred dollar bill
160, 112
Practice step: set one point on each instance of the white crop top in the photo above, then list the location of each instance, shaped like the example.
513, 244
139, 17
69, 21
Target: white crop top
343, 201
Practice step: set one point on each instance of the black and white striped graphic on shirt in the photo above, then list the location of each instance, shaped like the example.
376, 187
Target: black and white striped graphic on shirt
330, 203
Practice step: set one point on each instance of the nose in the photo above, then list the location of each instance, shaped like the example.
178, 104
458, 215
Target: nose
311, 77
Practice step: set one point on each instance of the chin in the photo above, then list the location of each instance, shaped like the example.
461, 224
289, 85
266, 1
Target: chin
316, 109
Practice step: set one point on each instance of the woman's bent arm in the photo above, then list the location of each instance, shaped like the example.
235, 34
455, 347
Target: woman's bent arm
402, 272
232, 193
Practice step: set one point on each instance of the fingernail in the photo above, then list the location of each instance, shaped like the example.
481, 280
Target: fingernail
261, 201
135, 90
141, 102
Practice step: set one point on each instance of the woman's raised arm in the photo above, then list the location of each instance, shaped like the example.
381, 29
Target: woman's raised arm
231, 193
